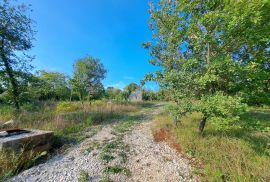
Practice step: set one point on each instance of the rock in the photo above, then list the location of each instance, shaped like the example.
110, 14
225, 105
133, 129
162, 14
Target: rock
9, 124
33, 140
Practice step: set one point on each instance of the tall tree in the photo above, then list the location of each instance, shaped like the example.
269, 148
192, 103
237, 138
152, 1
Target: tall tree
16, 36
211, 52
131, 87
112, 93
87, 76
56, 85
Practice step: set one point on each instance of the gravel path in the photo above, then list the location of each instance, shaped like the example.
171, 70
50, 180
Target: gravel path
67, 167
145, 159
150, 161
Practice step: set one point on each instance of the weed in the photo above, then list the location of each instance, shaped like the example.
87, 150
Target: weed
105, 179
84, 176
106, 157
105, 154
123, 157
91, 147
14, 162
116, 170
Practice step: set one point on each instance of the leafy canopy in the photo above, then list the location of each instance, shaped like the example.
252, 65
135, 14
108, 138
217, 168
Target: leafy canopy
16, 36
87, 76
211, 53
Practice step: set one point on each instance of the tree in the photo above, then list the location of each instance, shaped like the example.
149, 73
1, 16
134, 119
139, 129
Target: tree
87, 76
98, 92
112, 93
16, 35
55, 85
211, 51
131, 87
28, 85
149, 95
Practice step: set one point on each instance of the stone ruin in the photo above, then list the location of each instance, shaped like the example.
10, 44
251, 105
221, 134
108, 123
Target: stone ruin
136, 96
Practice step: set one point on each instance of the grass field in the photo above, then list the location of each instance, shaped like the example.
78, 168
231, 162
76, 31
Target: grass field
240, 153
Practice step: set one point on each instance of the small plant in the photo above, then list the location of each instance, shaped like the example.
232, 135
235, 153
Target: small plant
105, 179
91, 147
14, 162
123, 157
84, 176
106, 157
105, 154
116, 170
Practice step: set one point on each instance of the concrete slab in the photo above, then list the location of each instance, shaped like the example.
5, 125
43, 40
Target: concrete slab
34, 139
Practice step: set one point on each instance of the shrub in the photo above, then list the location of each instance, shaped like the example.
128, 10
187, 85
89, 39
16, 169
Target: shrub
221, 109
67, 107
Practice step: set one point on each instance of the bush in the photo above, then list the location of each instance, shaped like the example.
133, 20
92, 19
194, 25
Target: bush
221, 109
67, 107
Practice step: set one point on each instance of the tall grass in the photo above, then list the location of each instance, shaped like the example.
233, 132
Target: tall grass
237, 154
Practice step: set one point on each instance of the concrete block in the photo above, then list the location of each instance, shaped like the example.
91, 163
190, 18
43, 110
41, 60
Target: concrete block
32, 140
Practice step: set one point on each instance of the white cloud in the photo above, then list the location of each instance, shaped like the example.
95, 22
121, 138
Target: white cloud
121, 85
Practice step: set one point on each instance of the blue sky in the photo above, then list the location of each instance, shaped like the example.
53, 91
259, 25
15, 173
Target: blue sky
112, 30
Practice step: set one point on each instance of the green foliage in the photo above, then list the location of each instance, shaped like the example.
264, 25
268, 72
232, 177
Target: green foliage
112, 93
116, 170
149, 95
14, 162
115, 94
205, 49
55, 85
222, 110
84, 176
6, 112
87, 76
65, 106
16, 35
106, 152
131, 87
105, 179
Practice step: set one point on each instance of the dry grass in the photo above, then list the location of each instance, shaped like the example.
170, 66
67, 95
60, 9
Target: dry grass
55, 116
238, 154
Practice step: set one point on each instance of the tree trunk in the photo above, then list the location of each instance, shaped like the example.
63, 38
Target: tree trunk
13, 81
81, 98
202, 124
71, 93
208, 53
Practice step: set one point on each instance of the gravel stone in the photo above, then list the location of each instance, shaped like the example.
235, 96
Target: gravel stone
151, 161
